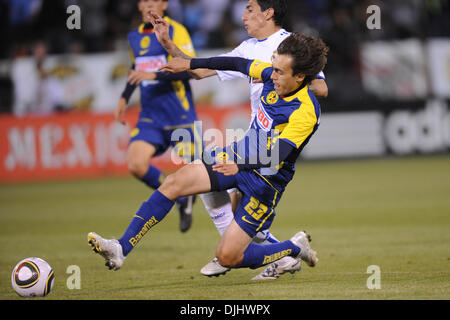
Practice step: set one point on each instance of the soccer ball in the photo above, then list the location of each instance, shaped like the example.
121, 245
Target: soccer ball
32, 277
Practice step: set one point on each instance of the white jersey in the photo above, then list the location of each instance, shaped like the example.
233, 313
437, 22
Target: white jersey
255, 49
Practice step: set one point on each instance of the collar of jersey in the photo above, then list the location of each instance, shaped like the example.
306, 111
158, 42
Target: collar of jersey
142, 29
294, 94
279, 31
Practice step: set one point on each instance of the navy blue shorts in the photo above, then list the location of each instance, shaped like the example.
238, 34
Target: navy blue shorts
256, 210
185, 139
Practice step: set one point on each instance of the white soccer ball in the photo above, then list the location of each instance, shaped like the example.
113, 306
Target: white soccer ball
32, 277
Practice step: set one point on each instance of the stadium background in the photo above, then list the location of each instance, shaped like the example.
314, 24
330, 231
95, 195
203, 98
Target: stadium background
386, 115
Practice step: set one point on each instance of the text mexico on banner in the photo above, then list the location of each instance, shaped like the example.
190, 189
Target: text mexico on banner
73, 145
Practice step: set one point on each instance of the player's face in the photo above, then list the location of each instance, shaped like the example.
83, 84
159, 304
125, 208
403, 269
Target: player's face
254, 19
282, 76
145, 6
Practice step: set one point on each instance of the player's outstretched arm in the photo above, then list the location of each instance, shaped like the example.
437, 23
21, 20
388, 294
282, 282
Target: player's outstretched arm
176, 65
202, 73
214, 63
137, 76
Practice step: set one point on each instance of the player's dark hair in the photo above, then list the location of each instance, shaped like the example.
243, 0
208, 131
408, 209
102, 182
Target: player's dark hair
279, 8
309, 54
165, 13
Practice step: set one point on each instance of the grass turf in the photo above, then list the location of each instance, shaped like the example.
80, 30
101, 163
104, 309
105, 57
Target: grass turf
393, 213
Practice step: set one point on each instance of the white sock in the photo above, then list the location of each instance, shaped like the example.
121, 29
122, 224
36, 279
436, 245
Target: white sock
265, 237
218, 205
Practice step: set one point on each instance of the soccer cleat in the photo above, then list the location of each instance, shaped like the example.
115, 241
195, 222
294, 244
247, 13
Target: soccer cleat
302, 240
277, 268
111, 250
185, 209
214, 269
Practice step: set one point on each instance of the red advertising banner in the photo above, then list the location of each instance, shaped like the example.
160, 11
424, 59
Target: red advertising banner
75, 145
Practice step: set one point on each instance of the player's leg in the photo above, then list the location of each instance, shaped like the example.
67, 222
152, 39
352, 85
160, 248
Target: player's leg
273, 271
236, 249
235, 197
220, 206
148, 141
265, 236
232, 245
139, 155
187, 144
251, 216
188, 180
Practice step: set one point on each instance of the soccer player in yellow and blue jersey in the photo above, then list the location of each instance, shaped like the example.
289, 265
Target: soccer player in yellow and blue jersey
166, 101
260, 165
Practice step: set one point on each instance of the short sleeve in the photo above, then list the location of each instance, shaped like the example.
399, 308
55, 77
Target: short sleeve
182, 39
300, 126
260, 70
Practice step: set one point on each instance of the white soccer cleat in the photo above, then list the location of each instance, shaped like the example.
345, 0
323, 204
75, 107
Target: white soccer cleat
277, 268
302, 240
111, 250
213, 269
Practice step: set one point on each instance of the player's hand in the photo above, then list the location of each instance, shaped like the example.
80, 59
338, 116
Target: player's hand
228, 168
176, 65
161, 28
136, 77
120, 111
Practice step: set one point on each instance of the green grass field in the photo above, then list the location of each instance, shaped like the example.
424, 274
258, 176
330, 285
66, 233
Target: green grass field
393, 213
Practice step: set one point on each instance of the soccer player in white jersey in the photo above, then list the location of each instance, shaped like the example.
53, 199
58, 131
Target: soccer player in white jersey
262, 20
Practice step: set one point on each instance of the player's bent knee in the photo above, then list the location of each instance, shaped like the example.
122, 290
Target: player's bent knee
137, 168
139, 155
171, 186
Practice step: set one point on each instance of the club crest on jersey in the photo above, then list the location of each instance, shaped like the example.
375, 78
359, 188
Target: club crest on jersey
272, 98
264, 121
222, 156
